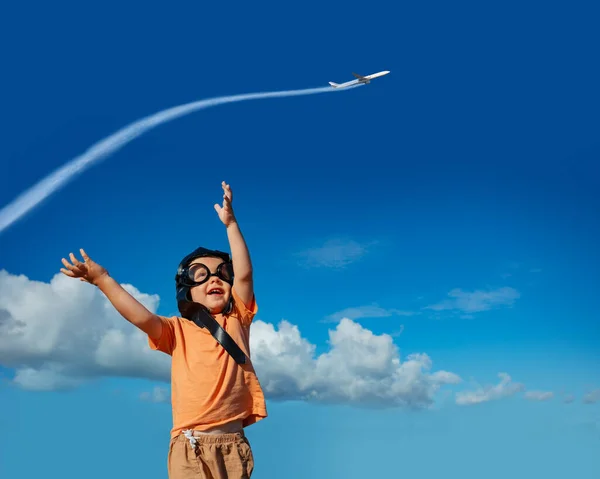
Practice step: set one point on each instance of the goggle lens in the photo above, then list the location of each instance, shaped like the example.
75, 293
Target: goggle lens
199, 273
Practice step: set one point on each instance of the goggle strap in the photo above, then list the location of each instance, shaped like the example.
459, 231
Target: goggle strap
203, 318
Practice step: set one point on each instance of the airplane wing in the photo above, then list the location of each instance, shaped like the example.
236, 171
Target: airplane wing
344, 85
360, 79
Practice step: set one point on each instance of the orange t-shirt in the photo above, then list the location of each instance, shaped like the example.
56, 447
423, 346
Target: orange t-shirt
208, 388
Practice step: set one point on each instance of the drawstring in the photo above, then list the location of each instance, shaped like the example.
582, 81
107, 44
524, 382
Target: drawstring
189, 433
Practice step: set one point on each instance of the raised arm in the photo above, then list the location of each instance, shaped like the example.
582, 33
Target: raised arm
129, 307
240, 256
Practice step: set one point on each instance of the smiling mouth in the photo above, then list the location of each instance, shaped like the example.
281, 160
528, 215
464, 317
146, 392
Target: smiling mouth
215, 291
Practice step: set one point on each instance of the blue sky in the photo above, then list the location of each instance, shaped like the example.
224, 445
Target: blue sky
448, 211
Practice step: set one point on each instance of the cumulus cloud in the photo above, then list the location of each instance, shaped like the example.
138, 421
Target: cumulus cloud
369, 311
504, 388
60, 334
476, 301
359, 368
335, 253
539, 395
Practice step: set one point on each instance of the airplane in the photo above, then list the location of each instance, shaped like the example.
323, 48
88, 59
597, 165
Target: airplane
360, 79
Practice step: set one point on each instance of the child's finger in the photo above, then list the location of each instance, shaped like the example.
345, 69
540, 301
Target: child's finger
74, 268
74, 260
226, 188
84, 255
66, 272
66, 263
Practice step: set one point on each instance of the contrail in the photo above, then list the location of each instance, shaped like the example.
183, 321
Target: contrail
100, 150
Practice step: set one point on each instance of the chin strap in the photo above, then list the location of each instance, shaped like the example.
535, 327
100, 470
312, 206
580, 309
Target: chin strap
204, 319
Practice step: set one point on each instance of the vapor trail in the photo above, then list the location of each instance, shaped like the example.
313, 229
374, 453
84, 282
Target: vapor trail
60, 177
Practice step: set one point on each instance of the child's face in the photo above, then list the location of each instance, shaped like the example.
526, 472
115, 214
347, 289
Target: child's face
215, 293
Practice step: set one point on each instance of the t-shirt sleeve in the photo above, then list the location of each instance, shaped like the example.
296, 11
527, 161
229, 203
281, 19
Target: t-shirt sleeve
166, 341
244, 312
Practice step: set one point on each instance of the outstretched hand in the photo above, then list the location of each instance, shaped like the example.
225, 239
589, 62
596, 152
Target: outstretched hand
88, 271
225, 212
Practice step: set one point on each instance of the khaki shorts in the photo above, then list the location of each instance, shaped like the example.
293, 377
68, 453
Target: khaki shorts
213, 456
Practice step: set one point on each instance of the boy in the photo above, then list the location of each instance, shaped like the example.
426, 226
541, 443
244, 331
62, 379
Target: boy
214, 388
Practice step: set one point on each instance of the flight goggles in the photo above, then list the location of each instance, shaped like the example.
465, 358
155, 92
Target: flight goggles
198, 273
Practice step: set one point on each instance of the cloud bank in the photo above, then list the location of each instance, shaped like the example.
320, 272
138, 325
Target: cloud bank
359, 368
61, 334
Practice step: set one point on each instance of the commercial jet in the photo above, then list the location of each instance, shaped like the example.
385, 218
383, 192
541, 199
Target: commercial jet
360, 79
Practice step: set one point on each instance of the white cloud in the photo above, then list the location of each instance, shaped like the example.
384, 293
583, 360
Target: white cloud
592, 397
57, 335
359, 368
539, 395
335, 253
49, 377
476, 301
503, 389
370, 311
